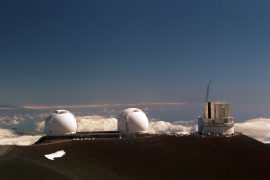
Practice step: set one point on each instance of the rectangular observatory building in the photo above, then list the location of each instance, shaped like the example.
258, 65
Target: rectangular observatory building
216, 118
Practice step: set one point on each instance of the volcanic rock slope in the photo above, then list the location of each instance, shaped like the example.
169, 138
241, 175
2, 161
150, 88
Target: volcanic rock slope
153, 157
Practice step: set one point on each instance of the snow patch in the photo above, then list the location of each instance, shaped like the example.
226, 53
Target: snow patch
57, 154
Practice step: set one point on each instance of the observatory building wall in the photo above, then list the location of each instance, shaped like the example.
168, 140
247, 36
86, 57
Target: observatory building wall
218, 129
216, 118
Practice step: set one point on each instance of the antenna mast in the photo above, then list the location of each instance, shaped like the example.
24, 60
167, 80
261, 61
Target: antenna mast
207, 91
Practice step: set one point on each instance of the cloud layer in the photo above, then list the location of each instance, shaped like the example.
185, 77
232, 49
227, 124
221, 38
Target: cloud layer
11, 134
178, 127
258, 129
96, 123
9, 137
100, 123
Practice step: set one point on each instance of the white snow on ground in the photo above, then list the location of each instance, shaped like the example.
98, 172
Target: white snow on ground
57, 154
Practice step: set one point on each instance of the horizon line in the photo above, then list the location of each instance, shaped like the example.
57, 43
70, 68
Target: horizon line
101, 105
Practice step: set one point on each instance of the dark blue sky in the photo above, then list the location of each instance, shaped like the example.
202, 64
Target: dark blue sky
123, 51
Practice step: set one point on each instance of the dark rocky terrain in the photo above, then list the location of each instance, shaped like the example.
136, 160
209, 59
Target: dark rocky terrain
153, 157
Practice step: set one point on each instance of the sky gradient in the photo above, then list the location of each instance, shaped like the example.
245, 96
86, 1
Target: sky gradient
120, 51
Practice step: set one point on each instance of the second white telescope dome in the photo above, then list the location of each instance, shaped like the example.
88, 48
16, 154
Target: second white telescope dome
132, 120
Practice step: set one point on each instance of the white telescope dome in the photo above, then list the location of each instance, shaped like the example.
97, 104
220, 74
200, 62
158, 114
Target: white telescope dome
132, 120
60, 122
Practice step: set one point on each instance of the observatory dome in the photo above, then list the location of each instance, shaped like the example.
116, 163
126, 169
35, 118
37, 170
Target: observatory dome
60, 122
132, 120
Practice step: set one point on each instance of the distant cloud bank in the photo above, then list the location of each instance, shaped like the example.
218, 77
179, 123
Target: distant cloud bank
100, 123
96, 123
35, 107
258, 128
178, 127
9, 137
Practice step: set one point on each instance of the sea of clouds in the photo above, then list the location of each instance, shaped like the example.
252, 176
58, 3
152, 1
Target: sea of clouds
258, 129
27, 128
10, 137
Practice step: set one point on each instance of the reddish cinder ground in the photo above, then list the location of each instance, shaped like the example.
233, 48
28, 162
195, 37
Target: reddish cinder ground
152, 157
